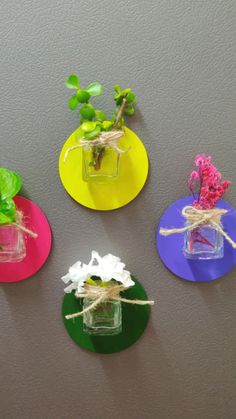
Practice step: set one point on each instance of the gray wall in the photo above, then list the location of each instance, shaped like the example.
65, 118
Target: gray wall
179, 57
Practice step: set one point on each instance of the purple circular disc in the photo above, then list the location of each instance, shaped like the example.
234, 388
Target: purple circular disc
170, 248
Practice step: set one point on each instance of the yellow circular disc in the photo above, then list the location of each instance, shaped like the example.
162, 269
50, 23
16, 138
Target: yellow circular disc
133, 171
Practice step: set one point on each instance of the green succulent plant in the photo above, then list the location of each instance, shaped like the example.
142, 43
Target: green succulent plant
95, 121
10, 185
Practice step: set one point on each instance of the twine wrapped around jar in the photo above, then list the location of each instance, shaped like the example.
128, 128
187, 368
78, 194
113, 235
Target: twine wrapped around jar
19, 224
197, 217
100, 294
110, 138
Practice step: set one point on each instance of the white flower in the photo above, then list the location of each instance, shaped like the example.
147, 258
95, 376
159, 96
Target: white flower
77, 275
106, 268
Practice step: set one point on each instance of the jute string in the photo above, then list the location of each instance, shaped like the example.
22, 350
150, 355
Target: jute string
110, 138
196, 217
100, 294
19, 224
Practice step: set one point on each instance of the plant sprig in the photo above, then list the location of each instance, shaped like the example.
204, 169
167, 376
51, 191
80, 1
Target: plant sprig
10, 185
95, 121
82, 96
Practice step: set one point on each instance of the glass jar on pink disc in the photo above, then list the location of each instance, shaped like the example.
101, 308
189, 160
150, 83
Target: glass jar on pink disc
13, 233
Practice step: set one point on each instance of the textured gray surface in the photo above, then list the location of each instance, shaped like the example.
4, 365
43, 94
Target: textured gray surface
180, 58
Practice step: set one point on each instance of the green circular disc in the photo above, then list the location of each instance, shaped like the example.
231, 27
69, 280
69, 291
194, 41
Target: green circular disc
134, 321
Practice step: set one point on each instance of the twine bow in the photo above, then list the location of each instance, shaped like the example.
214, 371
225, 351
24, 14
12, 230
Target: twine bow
19, 224
197, 217
110, 138
100, 294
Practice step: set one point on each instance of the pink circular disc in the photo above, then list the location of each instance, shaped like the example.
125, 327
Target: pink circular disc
37, 250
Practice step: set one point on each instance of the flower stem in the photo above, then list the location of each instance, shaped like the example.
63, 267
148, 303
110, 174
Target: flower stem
120, 113
197, 237
98, 157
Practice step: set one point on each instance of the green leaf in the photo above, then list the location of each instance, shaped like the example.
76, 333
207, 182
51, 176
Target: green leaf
73, 82
91, 135
8, 208
95, 89
88, 126
87, 111
107, 125
90, 281
121, 123
4, 219
129, 110
105, 284
73, 102
10, 183
126, 91
100, 115
83, 96
117, 88
118, 99
130, 97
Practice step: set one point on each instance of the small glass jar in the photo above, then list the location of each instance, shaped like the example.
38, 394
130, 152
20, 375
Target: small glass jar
100, 164
203, 242
103, 320
12, 243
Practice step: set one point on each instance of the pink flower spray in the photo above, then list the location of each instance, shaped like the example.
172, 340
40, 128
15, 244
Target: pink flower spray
210, 190
208, 178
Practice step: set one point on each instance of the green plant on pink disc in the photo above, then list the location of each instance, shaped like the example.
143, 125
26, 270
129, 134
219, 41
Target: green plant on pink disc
10, 185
